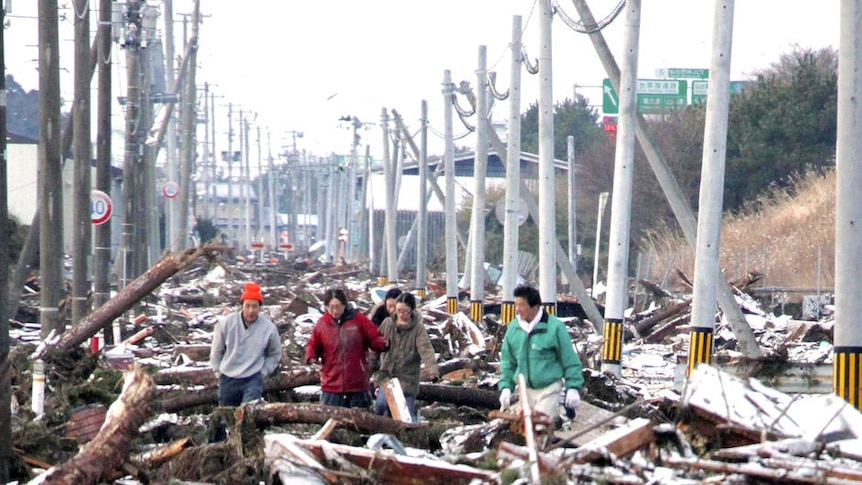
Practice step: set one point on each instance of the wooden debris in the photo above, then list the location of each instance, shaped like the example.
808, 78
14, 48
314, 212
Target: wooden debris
105, 453
395, 399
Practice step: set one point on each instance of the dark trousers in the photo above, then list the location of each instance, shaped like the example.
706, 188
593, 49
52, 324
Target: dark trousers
346, 399
233, 392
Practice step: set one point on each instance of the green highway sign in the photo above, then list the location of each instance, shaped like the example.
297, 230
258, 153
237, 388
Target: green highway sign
699, 90
653, 96
687, 73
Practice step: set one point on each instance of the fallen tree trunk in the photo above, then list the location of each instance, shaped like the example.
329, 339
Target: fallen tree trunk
107, 451
420, 435
142, 286
459, 396
645, 326
173, 400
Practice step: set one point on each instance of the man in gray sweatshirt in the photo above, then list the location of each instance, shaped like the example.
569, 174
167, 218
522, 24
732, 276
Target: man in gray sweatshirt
246, 348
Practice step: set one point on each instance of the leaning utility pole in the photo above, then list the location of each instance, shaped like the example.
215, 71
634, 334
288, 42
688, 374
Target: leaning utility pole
82, 232
189, 127
50, 168
102, 232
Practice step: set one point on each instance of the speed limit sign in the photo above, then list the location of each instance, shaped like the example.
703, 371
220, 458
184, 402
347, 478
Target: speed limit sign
100, 207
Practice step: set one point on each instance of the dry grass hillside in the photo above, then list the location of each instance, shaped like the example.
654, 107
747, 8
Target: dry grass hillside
787, 235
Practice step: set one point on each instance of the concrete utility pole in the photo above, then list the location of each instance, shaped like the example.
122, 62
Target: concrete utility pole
186, 195
677, 201
547, 226
5, 365
82, 232
352, 225
390, 215
621, 199
273, 210
706, 261
50, 176
848, 239
233, 226
172, 228
132, 161
422, 216
259, 219
451, 222
573, 229
102, 232
513, 175
480, 166
246, 182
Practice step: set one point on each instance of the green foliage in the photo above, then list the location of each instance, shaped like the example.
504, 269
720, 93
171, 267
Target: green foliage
206, 229
22, 109
783, 124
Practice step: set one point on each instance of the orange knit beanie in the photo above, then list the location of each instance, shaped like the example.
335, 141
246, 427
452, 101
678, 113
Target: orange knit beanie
251, 292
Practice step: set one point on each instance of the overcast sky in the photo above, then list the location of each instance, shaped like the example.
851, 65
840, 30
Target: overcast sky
300, 65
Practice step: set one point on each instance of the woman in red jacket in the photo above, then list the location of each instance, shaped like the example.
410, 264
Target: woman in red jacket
341, 339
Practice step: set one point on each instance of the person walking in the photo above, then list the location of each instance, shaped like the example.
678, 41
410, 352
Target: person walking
245, 348
386, 308
409, 349
341, 339
538, 346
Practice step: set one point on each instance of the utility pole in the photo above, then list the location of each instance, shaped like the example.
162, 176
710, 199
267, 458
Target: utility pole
172, 172
451, 234
513, 176
259, 218
547, 224
273, 210
102, 232
480, 165
246, 182
189, 129
621, 198
422, 222
5, 365
82, 233
132, 159
231, 206
50, 167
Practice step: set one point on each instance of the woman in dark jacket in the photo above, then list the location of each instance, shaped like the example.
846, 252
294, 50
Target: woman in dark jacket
385, 308
409, 349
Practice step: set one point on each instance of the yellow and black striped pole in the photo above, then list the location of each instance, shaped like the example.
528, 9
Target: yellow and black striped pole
382, 281
420, 293
846, 369
550, 307
507, 312
477, 310
612, 347
699, 348
452, 305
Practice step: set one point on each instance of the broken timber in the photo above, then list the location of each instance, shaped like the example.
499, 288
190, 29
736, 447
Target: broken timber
107, 451
125, 299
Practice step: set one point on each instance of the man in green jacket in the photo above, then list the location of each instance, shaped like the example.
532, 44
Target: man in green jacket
538, 346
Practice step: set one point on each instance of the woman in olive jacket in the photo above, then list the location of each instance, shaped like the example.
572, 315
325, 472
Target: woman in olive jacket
409, 348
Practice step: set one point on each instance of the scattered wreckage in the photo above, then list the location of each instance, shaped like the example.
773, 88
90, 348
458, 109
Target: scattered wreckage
144, 411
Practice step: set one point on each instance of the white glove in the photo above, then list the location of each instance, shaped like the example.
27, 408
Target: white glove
573, 399
505, 399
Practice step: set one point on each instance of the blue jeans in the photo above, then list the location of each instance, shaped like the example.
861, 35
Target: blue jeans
346, 399
381, 407
233, 392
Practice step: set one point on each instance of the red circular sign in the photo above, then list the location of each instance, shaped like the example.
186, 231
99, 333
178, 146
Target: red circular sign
100, 207
170, 190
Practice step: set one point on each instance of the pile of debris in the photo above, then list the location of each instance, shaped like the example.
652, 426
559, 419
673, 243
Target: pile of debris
145, 410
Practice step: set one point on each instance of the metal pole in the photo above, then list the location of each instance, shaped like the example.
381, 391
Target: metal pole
603, 199
422, 222
273, 209
573, 228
